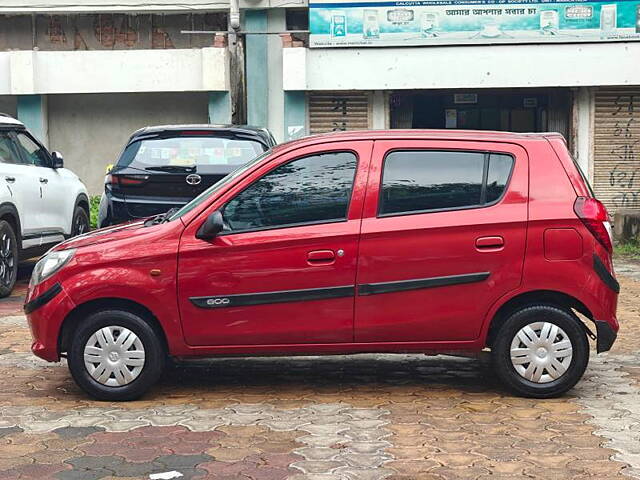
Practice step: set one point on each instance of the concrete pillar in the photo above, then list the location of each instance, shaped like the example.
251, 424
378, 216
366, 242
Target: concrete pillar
32, 111
583, 106
379, 111
257, 61
295, 115
219, 108
277, 23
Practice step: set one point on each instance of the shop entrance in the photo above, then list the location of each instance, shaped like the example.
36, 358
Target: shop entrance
519, 110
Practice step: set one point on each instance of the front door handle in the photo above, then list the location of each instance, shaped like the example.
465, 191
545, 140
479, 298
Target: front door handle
321, 257
489, 243
43, 180
10, 179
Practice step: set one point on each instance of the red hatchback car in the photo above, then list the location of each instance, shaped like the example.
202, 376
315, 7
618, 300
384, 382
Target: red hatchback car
391, 241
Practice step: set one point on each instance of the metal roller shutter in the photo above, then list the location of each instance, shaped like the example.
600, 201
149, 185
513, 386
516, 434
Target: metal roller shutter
335, 111
616, 174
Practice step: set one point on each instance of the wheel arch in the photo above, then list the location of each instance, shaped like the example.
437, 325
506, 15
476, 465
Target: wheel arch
546, 297
80, 311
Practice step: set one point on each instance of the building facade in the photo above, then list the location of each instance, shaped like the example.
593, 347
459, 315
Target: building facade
84, 77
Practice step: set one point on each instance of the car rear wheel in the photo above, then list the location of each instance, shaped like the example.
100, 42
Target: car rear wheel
8, 259
541, 351
115, 355
80, 222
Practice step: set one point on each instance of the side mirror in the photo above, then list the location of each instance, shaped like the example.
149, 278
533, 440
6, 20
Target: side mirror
58, 161
109, 168
211, 226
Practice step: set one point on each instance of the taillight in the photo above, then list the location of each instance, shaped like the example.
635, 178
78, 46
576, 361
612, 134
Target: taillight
595, 217
125, 180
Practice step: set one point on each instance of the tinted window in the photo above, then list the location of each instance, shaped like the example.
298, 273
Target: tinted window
188, 151
309, 190
415, 181
31, 151
7, 154
498, 175
429, 180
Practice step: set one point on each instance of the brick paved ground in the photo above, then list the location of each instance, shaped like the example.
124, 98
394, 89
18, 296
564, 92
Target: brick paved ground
361, 417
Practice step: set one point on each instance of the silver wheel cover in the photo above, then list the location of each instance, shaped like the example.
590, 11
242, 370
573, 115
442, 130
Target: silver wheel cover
114, 356
541, 352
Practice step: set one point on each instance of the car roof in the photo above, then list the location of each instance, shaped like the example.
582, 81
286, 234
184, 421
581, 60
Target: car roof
263, 133
6, 119
419, 134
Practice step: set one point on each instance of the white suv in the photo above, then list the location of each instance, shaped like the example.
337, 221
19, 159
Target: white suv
41, 203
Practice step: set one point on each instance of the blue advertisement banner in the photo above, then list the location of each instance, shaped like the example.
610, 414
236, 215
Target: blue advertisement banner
455, 22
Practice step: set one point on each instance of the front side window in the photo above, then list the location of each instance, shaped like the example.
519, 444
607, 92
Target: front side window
312, 189
428, 180
31, 151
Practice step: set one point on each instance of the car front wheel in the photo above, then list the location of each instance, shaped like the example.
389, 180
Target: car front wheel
541, 351
115, 355
80, 223
8, 259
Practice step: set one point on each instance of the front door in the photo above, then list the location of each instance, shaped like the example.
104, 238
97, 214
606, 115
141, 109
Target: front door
283, 269
54, 202
443, 238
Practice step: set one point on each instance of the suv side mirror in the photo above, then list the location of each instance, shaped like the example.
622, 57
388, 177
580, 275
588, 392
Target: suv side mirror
58, 161
211, 226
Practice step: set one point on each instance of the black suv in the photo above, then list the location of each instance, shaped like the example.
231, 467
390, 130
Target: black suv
166, 166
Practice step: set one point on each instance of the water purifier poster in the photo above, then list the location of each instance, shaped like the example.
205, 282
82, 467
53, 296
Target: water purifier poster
450, 22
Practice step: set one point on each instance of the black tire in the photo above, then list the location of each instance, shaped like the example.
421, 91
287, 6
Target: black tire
8, 259
154, 355
80, 223
501, 351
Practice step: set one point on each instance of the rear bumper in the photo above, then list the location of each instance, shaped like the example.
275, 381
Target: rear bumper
116, 210
46, 311
606, 336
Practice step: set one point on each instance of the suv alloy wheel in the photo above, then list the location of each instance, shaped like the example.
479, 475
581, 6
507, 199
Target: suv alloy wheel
8, 258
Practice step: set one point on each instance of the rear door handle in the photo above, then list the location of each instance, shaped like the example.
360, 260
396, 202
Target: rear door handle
489, 243
43, 180
321, 257
10, 179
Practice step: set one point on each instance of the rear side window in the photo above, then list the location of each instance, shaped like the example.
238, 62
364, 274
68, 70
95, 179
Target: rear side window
428, 180
314, 189
7, 153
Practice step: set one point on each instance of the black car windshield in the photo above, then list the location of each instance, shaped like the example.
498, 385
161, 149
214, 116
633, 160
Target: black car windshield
178, 154
217, 186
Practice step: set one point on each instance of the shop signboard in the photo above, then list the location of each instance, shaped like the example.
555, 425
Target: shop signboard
453, 22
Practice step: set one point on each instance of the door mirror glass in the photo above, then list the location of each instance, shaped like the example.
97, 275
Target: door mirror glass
213, 225
58, 161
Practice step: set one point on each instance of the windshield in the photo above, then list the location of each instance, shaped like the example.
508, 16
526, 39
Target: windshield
188, 151
217, 186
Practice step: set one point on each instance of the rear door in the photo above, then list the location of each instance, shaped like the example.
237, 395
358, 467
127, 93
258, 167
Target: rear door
443, 238
283, 270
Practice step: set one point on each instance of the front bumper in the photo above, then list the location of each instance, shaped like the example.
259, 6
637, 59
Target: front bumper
46, 310
606, 336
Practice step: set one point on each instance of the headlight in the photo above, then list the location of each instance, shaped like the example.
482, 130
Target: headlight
50, 264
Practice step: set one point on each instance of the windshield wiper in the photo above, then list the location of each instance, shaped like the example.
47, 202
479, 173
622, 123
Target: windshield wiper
161, 217
173, 168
